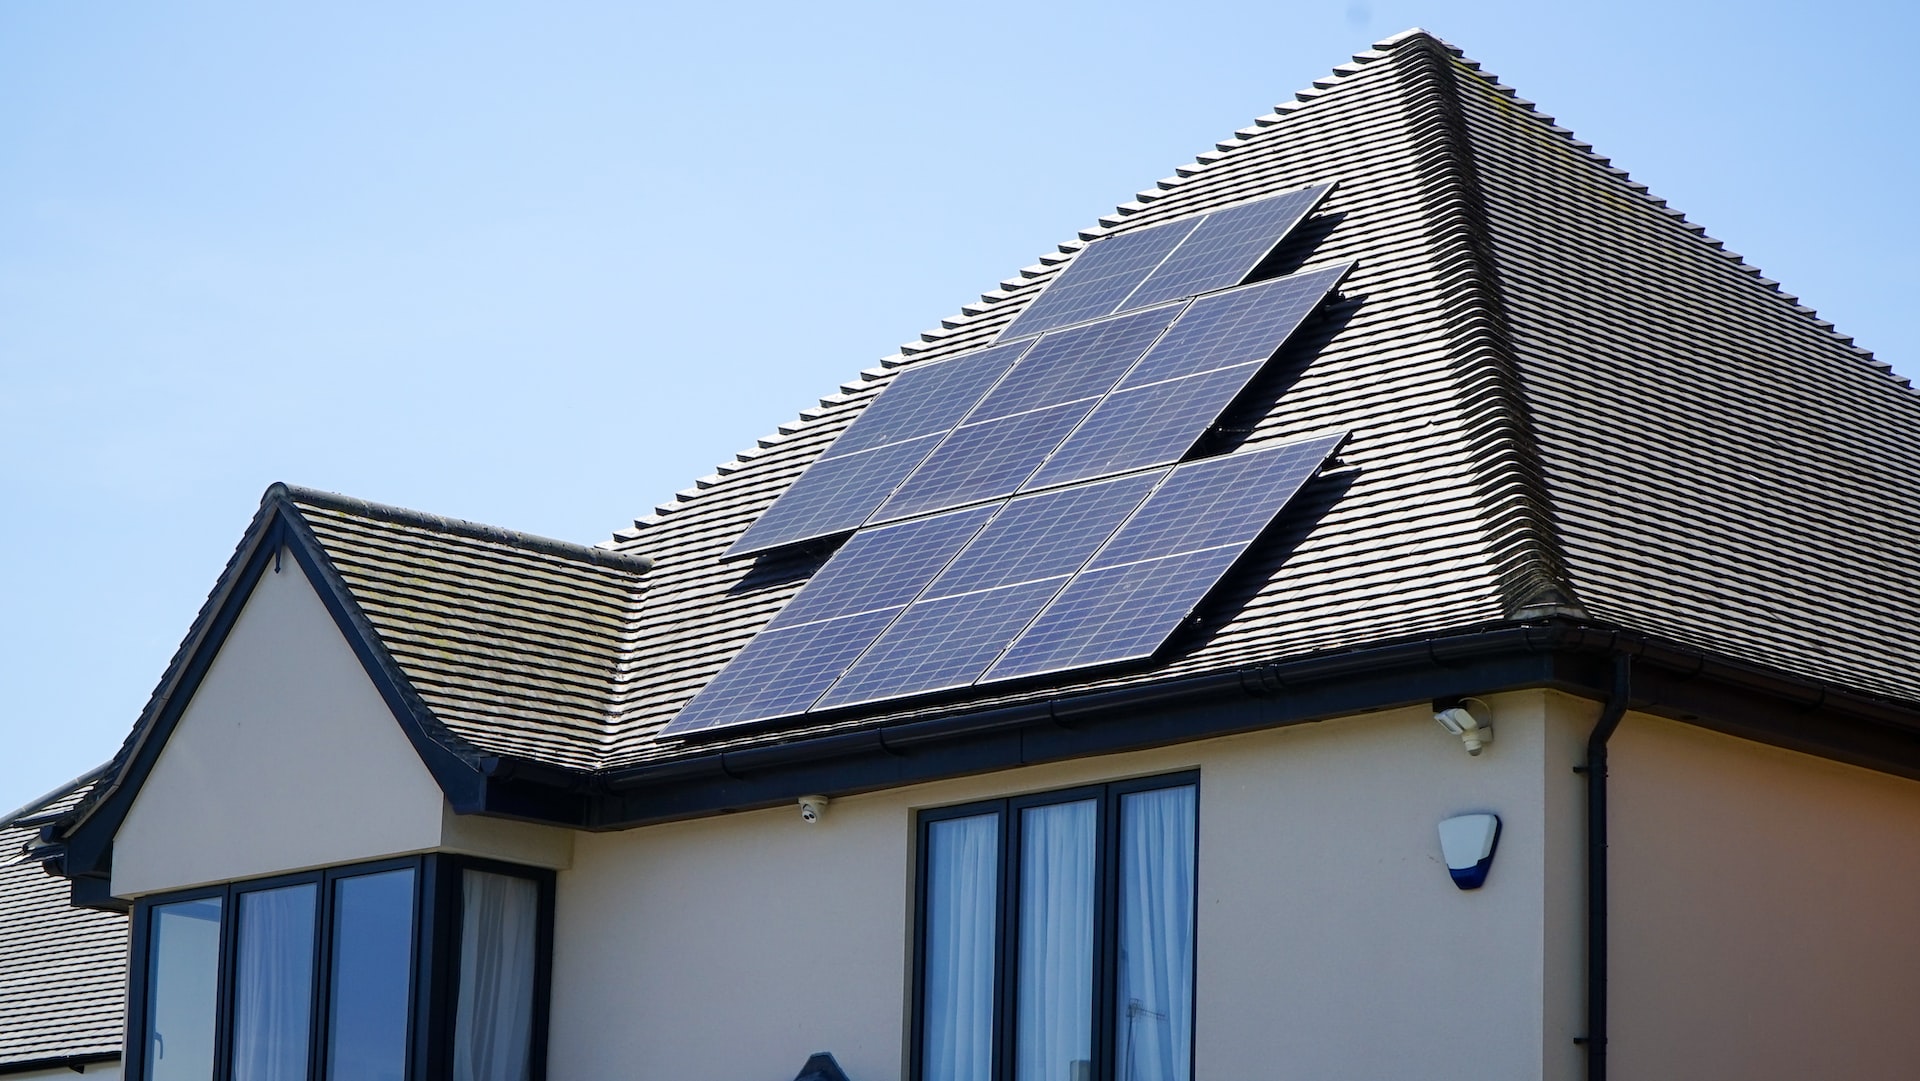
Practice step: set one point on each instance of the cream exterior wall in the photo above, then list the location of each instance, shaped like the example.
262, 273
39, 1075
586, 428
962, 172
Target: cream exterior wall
287, 758
1331, 941
1763, 911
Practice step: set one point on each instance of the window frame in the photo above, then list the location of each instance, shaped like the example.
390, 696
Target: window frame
1107, 796
433, 976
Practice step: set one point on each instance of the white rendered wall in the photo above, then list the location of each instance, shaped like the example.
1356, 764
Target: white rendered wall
1332, 943
287, 758
1763, 911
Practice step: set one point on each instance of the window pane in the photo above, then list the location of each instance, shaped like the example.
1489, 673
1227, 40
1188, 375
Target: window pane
372, 963
1153, 1033
273, 984
183, 990
1054, 989
963, 868
493, 1025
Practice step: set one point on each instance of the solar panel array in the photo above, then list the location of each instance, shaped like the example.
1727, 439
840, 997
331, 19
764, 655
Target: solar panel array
1018, 511
1183, 258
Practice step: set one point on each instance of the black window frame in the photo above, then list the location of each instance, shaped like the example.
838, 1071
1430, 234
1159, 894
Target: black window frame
434, 977
1108, 796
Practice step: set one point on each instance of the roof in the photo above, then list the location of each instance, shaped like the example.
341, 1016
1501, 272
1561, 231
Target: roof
63, 970
1566, 403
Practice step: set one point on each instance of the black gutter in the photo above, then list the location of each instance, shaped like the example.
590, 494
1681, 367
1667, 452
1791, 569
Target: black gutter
1595, 1041
76, 1063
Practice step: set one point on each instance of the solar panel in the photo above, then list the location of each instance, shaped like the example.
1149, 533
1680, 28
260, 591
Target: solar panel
1237, 327
991, 590
1150, 425
862, 589
1226, 247
1067, 365
1022, 420
1158, 566
780, 672
883, 567
1099, 278
927, 399
834, 495
1189, 377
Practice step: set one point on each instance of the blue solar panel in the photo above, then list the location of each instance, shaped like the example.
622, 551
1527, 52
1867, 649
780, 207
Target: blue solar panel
780, 673
1048, 535
1150, 425
991, 590
883, 567
1163, 561
983, 461
1115, 614
1239, 327
1067, 365
1226, 247
926, 399
1099, 278
833, 496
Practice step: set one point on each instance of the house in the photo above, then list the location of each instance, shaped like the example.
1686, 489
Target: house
1153, 788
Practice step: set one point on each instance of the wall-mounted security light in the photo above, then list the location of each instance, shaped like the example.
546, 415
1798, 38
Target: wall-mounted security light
813, 808
1469, 718
1467, 842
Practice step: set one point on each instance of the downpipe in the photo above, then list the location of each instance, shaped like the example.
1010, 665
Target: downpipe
1595, 1041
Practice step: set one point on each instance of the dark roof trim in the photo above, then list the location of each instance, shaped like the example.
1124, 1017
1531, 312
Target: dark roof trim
360, 508
76, 1063
1568, 655
86, 854
30, 813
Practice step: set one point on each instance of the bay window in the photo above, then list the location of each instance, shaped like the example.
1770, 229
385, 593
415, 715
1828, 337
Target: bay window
1054, 937
429, 968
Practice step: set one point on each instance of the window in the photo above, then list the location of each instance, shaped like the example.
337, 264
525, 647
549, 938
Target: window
432, 968
1055, 936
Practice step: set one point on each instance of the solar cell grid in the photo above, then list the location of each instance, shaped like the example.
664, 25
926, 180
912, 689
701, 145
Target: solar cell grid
1226, 247
1117, 614
926, 400
883, 567
983, 461
1099, 277
1216, 501
1067, 365
941, 644
1150, 425
1043, 536
1239, 327
780, 672
833, 495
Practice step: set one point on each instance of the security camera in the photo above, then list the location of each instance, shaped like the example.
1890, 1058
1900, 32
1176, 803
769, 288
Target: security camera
813, 808
1470, 719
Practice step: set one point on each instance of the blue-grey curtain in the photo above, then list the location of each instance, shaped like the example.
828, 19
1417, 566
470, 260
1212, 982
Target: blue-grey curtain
1153, 1033
1053, 1038
273, 984
493, 1017
963, 859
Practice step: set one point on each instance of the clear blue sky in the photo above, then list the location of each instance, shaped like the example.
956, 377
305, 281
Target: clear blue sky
543, 265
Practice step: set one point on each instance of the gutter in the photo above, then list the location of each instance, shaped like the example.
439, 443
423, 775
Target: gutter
1595, 1041
76, 1063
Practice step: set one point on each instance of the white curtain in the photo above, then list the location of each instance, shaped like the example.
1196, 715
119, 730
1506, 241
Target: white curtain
1153, 1034
963, 860
273, 984
493, 1021
1053, 1040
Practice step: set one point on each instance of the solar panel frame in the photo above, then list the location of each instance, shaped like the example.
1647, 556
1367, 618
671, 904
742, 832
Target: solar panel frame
1240, 326
1227, 246
1146, 426
780, 673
